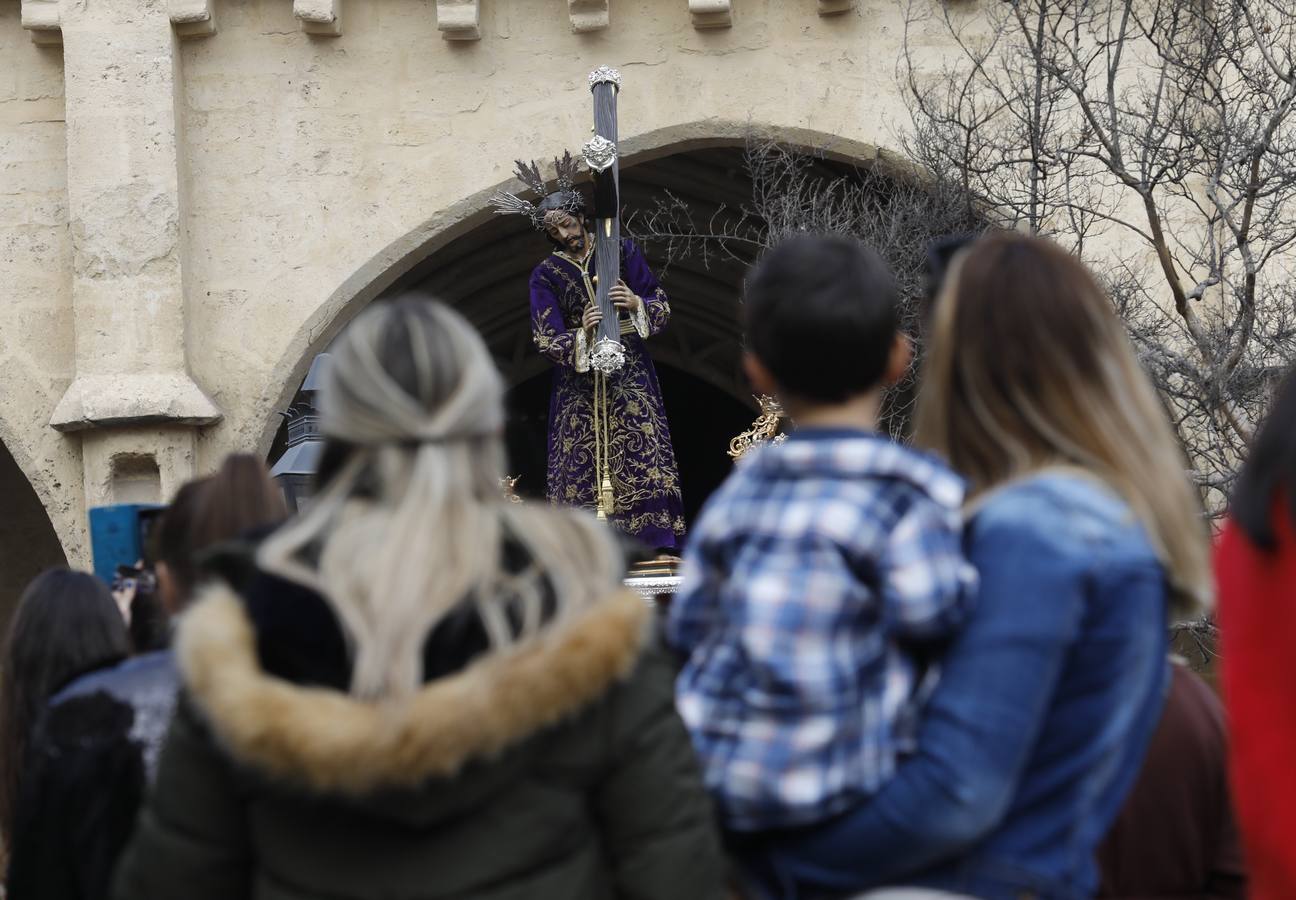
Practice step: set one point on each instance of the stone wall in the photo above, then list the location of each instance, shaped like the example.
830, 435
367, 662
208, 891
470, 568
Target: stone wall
36, 321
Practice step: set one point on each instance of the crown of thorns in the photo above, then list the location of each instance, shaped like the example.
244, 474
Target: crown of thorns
565, 198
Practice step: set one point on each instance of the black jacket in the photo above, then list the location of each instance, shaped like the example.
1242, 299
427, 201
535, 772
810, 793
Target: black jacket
555, 769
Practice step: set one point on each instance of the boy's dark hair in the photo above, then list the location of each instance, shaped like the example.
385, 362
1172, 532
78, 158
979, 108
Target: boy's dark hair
821, 314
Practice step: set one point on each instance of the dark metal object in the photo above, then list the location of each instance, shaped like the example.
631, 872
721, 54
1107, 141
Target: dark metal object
295, 470
601, 156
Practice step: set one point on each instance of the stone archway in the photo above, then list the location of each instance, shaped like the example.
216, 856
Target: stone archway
481, 265
393, 263
28, 542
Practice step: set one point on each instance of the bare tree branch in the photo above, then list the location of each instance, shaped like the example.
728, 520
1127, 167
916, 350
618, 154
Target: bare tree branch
1169, 130
797, 191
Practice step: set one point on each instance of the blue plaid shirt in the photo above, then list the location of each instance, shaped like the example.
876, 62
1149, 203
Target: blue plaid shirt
810, 568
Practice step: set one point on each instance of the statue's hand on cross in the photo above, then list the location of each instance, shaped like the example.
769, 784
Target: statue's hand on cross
625, 299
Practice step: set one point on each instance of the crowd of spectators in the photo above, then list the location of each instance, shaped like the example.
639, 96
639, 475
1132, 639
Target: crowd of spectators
933, 669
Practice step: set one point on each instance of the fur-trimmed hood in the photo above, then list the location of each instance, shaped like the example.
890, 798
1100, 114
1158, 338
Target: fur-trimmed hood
326, 740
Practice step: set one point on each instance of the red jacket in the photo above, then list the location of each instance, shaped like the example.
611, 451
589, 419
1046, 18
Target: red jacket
1257, 614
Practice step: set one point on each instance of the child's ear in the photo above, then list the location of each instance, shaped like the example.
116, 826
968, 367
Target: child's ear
762, 382
900, 358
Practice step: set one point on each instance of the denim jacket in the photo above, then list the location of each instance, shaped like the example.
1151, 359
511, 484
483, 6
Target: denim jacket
1039, 725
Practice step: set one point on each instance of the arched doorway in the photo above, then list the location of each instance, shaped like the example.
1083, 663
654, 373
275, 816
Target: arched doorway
28, 543
484, 269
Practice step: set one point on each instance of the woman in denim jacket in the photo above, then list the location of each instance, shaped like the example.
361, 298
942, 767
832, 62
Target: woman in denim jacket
1087, 536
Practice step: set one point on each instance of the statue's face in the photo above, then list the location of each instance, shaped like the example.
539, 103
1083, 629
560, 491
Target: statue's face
567, 230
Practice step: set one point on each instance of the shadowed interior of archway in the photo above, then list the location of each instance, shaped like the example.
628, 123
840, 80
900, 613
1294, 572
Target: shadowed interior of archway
28, 544
484, 274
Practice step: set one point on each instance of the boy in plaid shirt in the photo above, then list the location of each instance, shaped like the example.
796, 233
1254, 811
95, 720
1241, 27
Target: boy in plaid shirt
822, 563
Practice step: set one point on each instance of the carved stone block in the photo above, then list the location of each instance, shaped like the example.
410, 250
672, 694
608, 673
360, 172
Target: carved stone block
588, 15
192, 18
459, 20
711, 13
835, 7
41, 18
322, 17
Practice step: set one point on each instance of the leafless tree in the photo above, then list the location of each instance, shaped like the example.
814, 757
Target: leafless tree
1156, 139
796, 190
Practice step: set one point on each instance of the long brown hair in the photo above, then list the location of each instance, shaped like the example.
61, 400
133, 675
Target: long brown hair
1029, 367
239, 498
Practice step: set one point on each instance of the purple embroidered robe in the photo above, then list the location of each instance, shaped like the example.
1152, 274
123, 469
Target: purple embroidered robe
645, 479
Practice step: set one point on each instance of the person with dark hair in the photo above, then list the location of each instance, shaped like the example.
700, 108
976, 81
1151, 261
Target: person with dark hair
936, 264
626, 428
1087, 538
1176, 837
241, 500
826, 568
1256, 570
99, 741
424, 690
67, 624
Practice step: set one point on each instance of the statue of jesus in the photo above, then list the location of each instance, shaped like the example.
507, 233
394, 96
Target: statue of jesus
646, 500
621, 429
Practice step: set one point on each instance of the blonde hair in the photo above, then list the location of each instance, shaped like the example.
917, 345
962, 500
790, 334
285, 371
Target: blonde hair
1028, 368
414, 522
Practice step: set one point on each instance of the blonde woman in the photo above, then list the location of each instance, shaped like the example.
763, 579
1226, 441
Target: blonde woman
1087, 539
427, 691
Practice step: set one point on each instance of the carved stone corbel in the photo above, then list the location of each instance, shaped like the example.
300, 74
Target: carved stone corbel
459, 20
588, 15
322, 17
711, 13
192, 18
41, 18
835, 7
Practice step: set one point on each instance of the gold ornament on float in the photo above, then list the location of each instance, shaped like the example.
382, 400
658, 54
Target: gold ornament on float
763, 430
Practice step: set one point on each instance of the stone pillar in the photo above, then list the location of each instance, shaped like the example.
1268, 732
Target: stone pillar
137, 465
126, 185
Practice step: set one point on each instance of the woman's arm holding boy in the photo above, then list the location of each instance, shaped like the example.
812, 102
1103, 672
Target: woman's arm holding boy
977, 732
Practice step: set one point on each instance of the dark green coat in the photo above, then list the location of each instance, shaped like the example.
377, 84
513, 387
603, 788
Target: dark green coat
557, 770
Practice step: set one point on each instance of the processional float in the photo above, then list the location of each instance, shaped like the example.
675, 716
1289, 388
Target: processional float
607, 354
